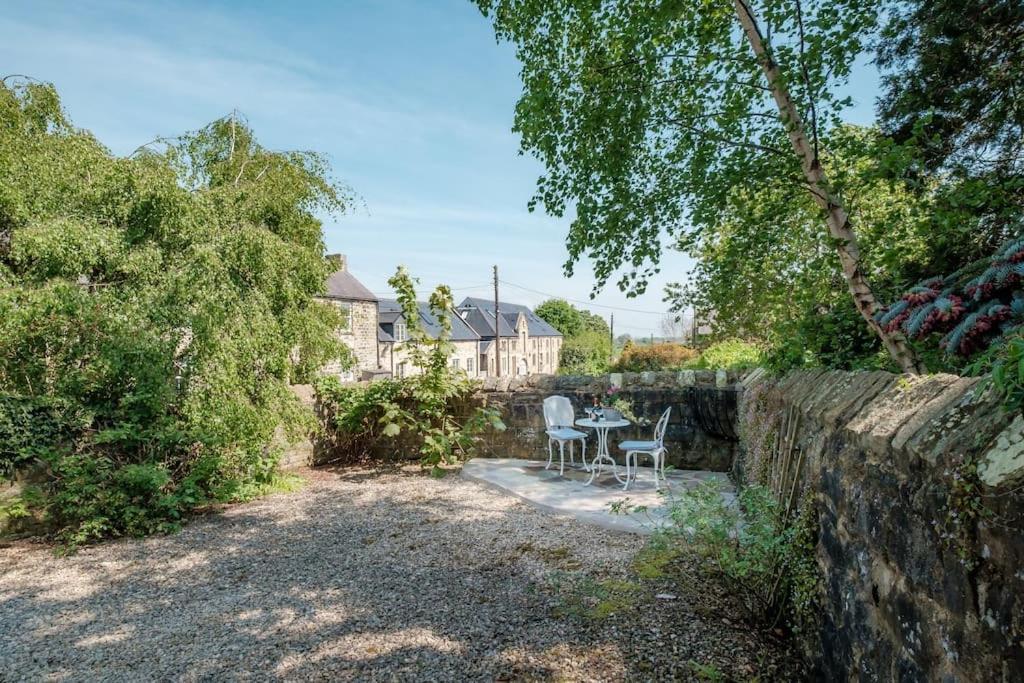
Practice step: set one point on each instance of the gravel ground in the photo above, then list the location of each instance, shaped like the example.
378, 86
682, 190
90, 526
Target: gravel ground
366, 575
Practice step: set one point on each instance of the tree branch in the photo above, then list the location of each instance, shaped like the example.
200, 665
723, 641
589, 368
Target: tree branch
669, 55
811, 96
669, 81
717, 137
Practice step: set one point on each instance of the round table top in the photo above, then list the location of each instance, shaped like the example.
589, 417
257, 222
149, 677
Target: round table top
614, 424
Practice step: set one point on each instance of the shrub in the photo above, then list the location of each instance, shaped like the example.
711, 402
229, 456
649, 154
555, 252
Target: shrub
636, 358
427, 407
153, 311
765, 560
967, 311
1003, 365
730, 354
584, 354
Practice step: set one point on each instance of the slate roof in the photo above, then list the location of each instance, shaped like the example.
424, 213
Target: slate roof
391, 311
537, 326
483, 323
344, 286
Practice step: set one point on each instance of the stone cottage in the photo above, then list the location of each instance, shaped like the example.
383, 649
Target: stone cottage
359, 307
393, 333
524, 342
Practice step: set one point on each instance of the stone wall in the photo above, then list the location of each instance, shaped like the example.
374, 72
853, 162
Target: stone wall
701, 431
923, 560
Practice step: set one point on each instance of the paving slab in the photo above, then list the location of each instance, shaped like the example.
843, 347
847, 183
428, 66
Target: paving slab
570, 495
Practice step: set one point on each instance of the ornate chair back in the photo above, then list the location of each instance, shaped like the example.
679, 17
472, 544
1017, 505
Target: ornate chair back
558, 412
659, 430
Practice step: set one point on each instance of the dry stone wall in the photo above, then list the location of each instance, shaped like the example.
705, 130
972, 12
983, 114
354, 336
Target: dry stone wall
701, 431
917, 482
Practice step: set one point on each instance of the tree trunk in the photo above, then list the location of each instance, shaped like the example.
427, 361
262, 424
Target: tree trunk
838, 220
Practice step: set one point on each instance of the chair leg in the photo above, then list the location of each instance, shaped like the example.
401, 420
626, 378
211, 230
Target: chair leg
561, 458
551, 454
572, 453
584, 442
629, 454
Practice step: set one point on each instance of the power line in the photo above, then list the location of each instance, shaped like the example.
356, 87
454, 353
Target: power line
425, 290
583, 303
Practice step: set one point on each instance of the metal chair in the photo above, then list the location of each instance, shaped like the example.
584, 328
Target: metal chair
559, 416
654, 449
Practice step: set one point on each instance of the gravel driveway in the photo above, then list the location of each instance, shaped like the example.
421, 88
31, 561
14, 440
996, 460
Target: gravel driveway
361, 575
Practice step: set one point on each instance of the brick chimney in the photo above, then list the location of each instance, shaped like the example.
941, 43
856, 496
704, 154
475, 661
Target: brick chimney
339, 261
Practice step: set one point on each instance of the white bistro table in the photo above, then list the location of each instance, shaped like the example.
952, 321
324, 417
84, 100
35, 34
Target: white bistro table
601, 427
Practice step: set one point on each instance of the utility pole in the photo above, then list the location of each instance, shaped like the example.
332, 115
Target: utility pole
611, 337
497, 327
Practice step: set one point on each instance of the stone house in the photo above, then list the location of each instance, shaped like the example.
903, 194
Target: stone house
359, 306
523, 342
393, 333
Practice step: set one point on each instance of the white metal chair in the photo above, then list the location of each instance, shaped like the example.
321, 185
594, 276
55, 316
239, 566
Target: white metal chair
559, 416
654, 449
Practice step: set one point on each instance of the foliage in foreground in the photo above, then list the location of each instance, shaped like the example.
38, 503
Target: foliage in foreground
766, 561
430, 412
153, 311
653, 120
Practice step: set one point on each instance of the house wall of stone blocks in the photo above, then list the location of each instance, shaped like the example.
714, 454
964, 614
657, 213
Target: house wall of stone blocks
360, 337
398, 353
539, 355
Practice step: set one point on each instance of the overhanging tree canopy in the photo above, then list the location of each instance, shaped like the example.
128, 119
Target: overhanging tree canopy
650, 116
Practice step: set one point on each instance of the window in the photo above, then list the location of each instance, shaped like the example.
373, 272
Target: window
345, 309
469, 365
401, 333
504, 365
455, 363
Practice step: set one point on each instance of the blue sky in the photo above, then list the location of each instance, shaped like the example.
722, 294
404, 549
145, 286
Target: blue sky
412, 101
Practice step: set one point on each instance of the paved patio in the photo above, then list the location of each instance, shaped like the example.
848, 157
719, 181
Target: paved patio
569, 494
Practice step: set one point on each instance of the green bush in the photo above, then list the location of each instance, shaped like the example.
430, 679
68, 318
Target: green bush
584, 354
765, 560
431, 409
153, 311
730, 354
1002, 364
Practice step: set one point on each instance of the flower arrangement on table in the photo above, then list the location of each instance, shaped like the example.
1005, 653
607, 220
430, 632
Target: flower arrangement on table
616, 399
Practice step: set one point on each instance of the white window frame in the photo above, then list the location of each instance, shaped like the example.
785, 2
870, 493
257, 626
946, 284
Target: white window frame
346, 307
401, 332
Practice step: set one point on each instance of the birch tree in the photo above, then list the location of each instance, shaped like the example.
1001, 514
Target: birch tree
649, 115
